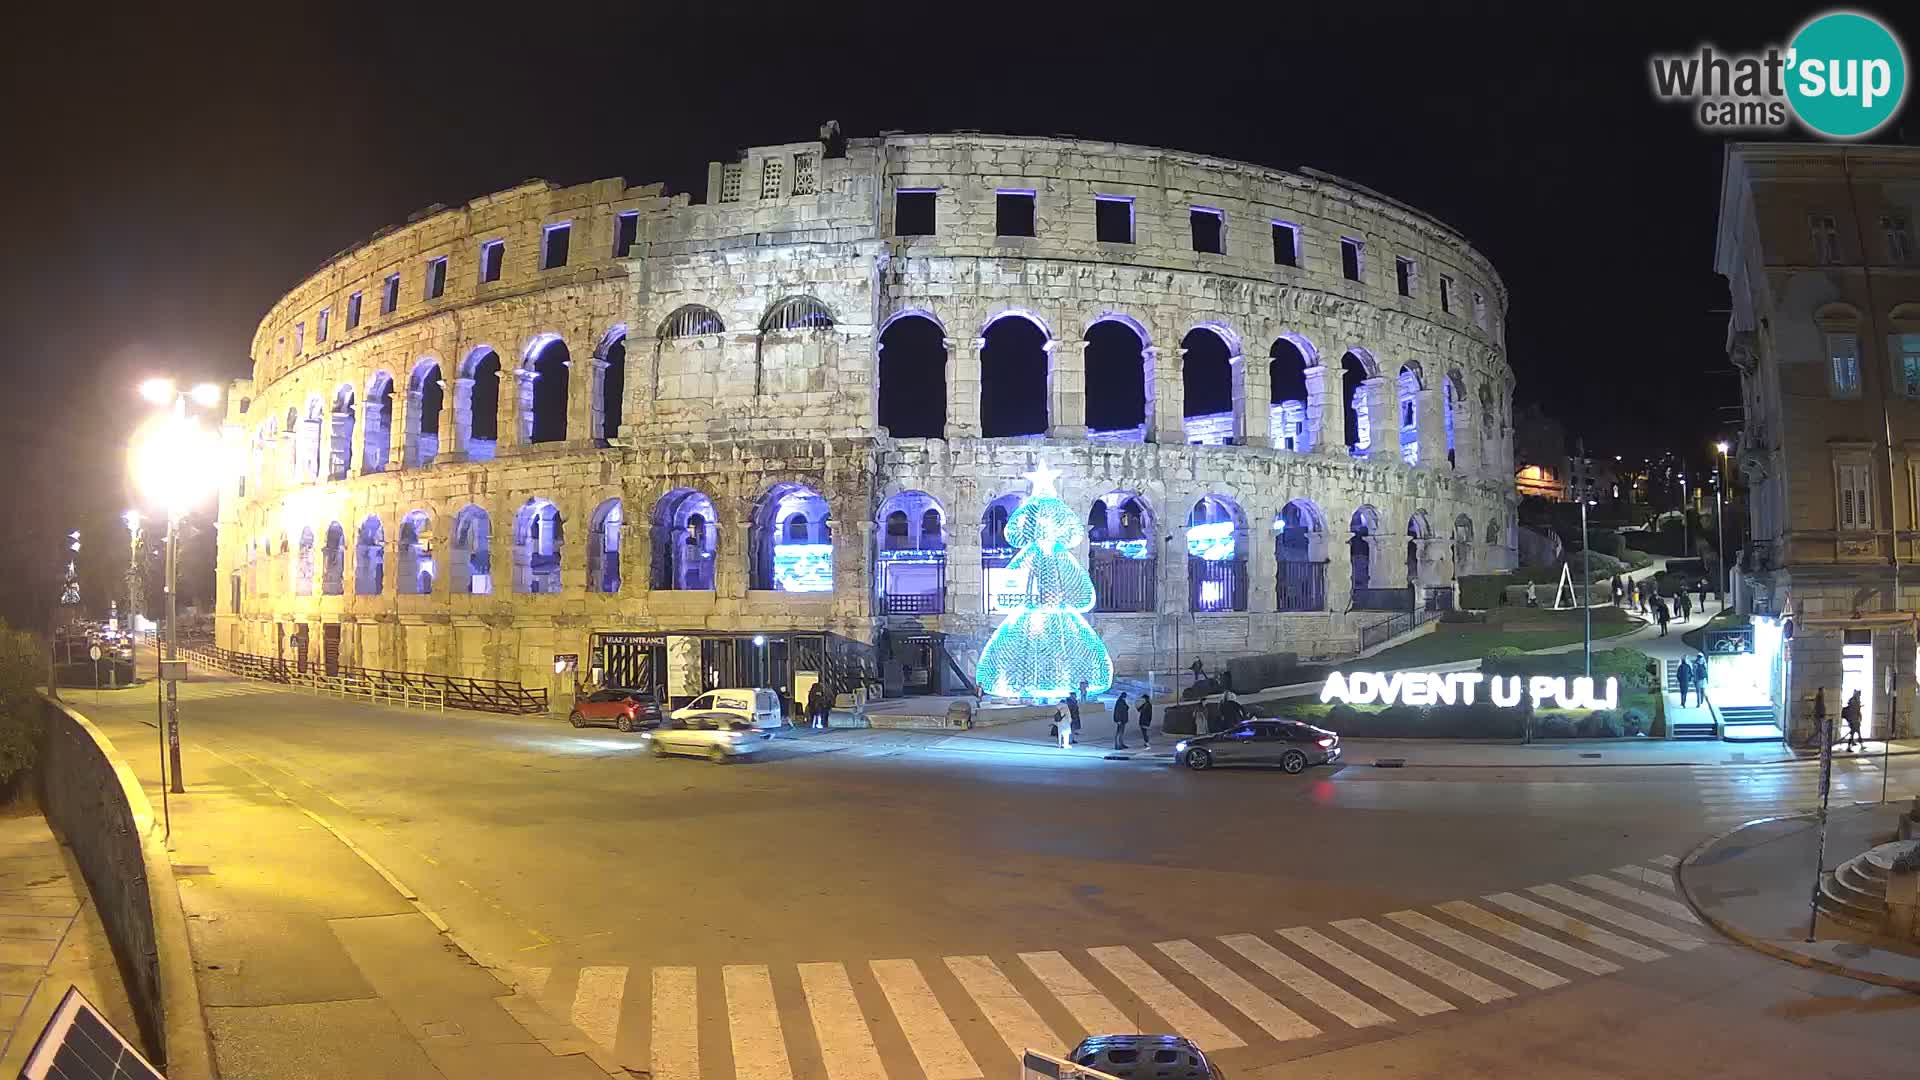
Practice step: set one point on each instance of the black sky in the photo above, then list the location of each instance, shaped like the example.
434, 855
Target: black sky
170, 174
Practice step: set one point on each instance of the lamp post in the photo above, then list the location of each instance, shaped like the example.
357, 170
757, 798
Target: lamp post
172, 458
1586, 580
1720, 523
134, 536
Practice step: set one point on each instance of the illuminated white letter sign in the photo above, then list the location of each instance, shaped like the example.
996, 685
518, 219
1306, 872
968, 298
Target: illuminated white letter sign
1459, 687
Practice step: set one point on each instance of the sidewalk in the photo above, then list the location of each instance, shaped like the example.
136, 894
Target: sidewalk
315, 962
1754, 885
50, 939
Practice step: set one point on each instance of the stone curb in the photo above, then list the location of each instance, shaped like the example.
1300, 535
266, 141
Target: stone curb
1762, 945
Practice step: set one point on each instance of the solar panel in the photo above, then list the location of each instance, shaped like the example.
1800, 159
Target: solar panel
79, 1044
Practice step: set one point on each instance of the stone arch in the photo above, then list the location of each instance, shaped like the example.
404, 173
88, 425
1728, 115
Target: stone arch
1210, 371
312, 436
333, 563
476, 404
605, 530
690, 320
426, 393
610, 383
546, 367
911, 376
1463, 537
1453, 403
1488, 415
1123, 552
796, 313
911, 564
996, 551
1216, 555
472, 558
1362, 546
685, 538
1119, 377
1419, 531
377, 424
370, 557
1357, 370
792, 540
538, 546
1016, 375
1290, 395
1300, 557
340, 422
415, 567
1407, 388
303, 564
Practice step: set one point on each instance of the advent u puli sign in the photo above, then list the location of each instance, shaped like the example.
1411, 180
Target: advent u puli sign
1461, 688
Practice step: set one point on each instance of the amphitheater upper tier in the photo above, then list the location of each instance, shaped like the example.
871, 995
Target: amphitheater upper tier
776, 433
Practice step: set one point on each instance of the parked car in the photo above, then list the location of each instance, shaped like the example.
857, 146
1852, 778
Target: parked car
627, 710
716, 736
1145, 1057
757, 708
1290, 744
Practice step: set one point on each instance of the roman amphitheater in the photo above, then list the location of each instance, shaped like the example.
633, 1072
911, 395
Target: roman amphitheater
777, 432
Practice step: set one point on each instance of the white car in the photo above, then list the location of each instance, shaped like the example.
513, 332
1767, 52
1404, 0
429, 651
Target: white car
755, 708
713, 735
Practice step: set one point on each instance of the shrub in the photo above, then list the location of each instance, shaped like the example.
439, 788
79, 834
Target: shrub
1479, 592
21, 671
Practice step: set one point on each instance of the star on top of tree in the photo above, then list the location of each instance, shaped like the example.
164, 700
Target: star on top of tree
1041, 481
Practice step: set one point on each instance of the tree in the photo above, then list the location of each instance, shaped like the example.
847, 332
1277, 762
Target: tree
22, 669
1046, 649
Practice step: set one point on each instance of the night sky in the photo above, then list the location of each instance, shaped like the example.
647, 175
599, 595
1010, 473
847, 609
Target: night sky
168, 179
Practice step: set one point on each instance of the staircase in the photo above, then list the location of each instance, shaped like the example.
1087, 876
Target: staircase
1695, 726
1856, 893
1748, 723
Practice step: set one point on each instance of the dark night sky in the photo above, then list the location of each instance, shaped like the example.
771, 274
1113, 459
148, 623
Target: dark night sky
169, 180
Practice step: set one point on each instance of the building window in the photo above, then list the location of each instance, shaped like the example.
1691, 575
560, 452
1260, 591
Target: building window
804, 177
1351, 255
1843, 357
1910, 365
913, 212
1209, 230
1446, 294
299, 338
320, 322
1405, 275
353, 310
1480, 310
1826, 238
390, 295
1113, 219
730, 183
770, 179
1013, 213
1286, 244
1899, 240
436, 278
626, 230
493, 254
553, 245
1854, 479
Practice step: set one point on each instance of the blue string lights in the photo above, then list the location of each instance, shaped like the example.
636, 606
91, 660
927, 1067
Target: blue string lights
1045, 649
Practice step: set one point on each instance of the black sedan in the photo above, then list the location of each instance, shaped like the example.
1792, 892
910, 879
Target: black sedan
1290, 744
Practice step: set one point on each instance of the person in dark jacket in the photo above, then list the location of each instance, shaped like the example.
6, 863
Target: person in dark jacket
1700, 677
1121, 715
1660, 614
1146, 720
1683, 673
1851, 713
817, 706
1073, 709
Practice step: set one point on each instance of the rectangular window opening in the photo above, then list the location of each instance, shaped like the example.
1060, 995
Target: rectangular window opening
1446, 294
1113, 219
353, 310
626, 230
299, 337
771, 179
1480, 310
730, 183
1405, 275
320, 325
1899, 240
805, 179
1910, 365
1826, 238
436, 278
913, 212
1209, 230
390, 297
553, 246
1286, 244
1013, 213
1843, 352
493, 256
1351, 254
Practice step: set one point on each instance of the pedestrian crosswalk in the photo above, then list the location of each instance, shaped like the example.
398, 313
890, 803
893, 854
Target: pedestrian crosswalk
1732, 795
966, 1017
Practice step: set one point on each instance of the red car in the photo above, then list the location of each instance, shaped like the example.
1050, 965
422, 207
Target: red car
627, 710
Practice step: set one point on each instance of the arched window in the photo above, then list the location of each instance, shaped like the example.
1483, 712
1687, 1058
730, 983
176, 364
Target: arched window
547, 367
1216, 555
370, 558
792, 541
333, 577
691, 320
311, 430
476, 404
996, 552
793, 345
536, 548
416, 570
1122, 553
1207, 378
1119, 379
426, 393
1287, 365
1014, 359
377, 438
1463, 546
913, 378
1300, 556
472, 559
1409, 387
1418, 532
1487, 418
303, 566
1365, 527
684, 541
340, 434
612, 390
1354, 373
603, 547
912, 564
290, 459
1453, 398
796, 313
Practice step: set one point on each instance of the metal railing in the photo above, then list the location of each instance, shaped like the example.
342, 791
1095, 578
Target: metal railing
1393, 626
409, 689
1301, 586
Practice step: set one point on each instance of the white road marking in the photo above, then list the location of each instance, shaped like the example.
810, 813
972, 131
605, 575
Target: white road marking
596, 1003
1520, 935
1467, 945
846, 1045
1640, 875
1176, 1008
1305, 981
1574, 928
1274, 1018
1424, 962
1673, 909
676, 1024
1367, 973
1664, 860
929, 1033
1019, 1026
1625, 920
1090, 1008
531, 981
753, 1020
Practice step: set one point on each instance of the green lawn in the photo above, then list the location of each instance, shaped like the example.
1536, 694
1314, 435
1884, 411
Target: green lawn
1524, 629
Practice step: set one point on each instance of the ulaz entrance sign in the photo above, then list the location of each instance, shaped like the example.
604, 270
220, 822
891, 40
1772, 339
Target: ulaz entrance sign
1461, 687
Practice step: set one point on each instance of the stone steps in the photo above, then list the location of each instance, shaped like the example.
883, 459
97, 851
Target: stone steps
1855, 893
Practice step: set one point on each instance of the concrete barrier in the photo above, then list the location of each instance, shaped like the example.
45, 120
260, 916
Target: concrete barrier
94, 801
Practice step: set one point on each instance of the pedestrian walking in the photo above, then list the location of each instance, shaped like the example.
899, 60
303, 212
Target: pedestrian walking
1660, 614
1700, 678
1073, 709
1121, 714
1683, 672
1685, 603
1703, 595
1850, 712
1146, 720
1822, 735
816, 706
1533, 595
1619, 590
1061, 730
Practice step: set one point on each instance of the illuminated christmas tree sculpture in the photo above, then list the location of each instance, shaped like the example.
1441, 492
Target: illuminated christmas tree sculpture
1046, 649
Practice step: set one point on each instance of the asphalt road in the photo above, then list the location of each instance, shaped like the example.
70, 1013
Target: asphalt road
1024, 893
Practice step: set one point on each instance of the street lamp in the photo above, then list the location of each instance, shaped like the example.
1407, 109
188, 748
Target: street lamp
175, 463
1720, 522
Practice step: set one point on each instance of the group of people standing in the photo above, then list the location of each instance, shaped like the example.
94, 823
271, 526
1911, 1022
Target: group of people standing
1643, 595
1692, 675
1066, 719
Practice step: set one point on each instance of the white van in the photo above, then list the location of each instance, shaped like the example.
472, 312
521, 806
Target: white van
759, 708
